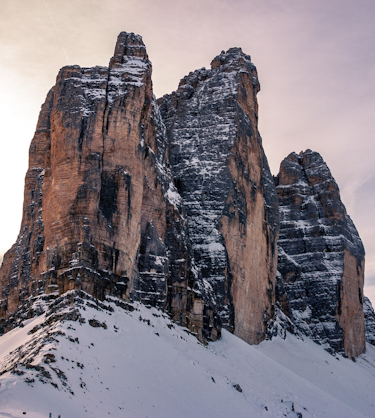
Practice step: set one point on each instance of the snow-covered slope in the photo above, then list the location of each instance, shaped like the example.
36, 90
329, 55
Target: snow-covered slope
84, 358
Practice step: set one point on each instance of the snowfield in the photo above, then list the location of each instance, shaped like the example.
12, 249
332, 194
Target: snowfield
88, 359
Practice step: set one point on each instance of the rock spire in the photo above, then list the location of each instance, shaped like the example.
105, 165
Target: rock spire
221, 172
321, 257
101, 212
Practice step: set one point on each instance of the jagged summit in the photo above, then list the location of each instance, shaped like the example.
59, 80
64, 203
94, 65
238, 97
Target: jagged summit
316, 170
128, 45
232, 57
235, 60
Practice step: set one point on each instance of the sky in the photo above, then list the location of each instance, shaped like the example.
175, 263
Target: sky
315, 61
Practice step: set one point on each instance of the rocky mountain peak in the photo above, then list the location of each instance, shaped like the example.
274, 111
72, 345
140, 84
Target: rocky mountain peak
233, 63
320, 255
236, 60
221, 172
307, 166
128, 45
230, 58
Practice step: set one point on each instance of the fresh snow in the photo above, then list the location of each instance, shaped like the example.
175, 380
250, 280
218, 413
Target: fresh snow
142, 365
173, 196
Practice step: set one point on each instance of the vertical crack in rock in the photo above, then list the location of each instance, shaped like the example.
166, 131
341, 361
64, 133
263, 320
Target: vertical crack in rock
321, 257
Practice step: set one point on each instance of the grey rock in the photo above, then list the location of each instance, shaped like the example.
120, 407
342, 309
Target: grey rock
321, 257
369, 321
221, 172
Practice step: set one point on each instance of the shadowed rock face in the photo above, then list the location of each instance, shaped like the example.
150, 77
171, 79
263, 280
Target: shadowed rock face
321, 257
221, 172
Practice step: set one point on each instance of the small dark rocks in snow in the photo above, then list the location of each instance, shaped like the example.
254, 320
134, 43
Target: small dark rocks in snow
97, 324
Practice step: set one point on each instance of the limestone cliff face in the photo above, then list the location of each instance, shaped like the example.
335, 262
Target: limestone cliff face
221, 172
101, 212
321, 257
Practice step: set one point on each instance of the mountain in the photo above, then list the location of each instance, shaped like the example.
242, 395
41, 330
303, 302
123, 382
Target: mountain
163, 206
161, 270
168, 207
101, 212
321, 257
221, 172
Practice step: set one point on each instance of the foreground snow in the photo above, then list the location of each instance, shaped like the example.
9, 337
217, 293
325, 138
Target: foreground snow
138, 364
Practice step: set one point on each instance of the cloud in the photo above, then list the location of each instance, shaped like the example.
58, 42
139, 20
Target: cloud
351, 189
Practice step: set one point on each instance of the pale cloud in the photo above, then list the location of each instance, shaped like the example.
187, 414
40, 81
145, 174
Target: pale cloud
351, 188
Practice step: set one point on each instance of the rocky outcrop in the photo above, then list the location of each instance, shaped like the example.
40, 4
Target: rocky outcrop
321, 257
101, 212
221, 172
369, 321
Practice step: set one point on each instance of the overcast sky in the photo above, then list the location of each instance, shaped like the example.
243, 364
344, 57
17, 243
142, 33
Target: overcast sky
315, 60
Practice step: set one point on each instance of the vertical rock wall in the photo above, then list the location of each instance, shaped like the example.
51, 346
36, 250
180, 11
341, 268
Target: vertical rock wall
91, 177
221, 172
101, 212
321, 257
